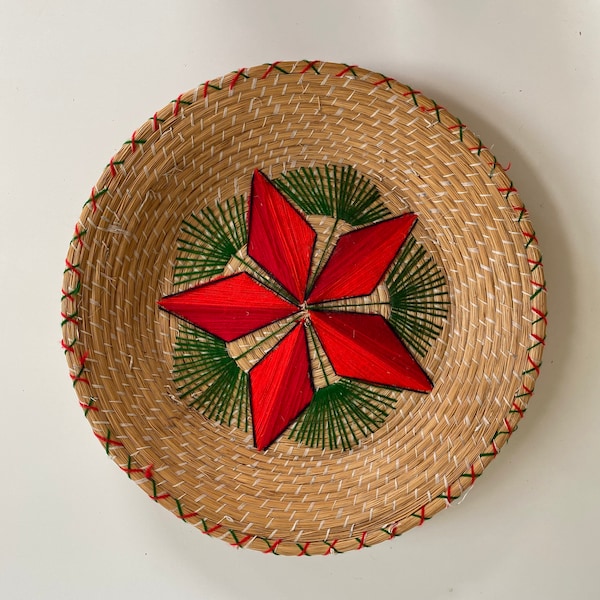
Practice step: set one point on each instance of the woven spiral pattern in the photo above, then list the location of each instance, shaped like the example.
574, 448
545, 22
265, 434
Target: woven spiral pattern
202, 149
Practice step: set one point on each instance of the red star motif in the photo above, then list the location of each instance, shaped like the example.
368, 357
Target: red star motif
358, 345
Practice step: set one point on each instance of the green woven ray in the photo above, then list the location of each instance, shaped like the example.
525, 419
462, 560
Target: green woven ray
338, 192
209, 378
209, 239
418, 297
340, 415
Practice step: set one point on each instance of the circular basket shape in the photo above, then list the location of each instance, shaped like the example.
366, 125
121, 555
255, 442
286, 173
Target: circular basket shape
252, 197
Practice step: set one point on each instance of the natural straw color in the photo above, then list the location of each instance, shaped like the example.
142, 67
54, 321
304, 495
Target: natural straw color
201, 149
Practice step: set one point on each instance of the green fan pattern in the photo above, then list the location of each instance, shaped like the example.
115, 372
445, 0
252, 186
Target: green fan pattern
209, 379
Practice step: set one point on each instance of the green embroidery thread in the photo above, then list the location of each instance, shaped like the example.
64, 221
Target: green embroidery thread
418, 297
209, 378
332, 191
210, 239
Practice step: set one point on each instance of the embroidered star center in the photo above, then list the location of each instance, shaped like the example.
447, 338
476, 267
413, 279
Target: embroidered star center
306, 300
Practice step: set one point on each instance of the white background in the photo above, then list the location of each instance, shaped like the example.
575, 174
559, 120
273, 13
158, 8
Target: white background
77, 77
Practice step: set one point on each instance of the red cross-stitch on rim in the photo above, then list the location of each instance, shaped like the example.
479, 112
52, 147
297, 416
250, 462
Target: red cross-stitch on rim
303, 308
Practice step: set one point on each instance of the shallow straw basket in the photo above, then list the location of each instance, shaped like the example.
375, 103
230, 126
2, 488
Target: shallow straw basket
202, 149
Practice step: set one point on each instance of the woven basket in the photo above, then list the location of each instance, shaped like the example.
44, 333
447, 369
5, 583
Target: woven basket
134, 245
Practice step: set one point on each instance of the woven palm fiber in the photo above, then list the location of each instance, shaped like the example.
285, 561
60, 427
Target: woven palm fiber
202, 149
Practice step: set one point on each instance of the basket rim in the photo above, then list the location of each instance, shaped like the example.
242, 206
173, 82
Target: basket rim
78, 357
